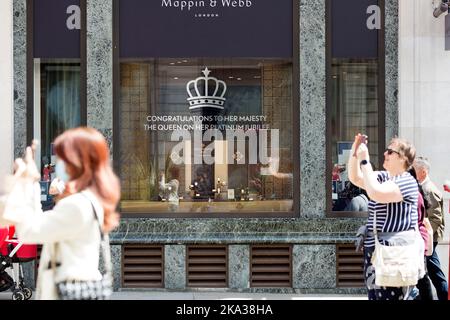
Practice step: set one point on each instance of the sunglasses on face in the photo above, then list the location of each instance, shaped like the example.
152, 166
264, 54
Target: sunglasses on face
391, 151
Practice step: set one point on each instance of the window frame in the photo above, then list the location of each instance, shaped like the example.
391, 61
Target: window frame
295, 213
30, 69
381, 107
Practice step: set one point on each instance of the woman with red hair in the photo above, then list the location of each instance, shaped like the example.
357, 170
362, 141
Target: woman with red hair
70, 232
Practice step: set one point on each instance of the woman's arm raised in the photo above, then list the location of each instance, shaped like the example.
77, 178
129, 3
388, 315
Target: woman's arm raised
354, 172
380, 192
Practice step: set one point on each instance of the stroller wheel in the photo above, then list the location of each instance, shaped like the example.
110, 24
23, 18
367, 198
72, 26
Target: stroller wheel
27, 293
18, 295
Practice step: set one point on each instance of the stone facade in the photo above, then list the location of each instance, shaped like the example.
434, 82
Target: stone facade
312, 235
20, 77
312, 108
99, 52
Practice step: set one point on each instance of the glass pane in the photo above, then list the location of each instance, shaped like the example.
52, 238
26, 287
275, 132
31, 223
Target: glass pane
354, 108
57, 88
206, 135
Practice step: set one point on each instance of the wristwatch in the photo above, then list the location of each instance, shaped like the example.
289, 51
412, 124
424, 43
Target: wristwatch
363, 162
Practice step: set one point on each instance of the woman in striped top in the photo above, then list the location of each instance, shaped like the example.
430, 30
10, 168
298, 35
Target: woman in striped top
393, 197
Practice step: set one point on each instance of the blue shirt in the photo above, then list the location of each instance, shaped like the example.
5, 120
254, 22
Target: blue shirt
394, 216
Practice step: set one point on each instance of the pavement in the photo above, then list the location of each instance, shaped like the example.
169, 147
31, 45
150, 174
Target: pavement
214, 295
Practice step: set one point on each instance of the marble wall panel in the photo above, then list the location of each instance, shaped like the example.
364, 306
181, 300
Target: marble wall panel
160, 230
20, 76
239, 266
312, 108
391, 69
175, 266
116, 258
314, 266
100, 66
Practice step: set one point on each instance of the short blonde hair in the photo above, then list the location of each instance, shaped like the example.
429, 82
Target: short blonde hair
406, 149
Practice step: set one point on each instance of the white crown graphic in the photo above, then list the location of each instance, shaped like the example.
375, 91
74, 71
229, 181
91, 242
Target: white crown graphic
214, 100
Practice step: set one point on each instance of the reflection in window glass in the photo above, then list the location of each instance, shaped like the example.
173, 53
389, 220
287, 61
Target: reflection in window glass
354, 108
56, 109
60, 102
206, 135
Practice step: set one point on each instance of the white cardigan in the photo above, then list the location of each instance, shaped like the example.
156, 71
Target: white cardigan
71, 224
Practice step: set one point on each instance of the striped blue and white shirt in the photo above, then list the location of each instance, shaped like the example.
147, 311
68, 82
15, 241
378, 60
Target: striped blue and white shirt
394, 216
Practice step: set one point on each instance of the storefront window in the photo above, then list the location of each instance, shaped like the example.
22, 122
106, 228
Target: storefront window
355, 102
60, 103
56, 109
55, 68
206, 135
354, 109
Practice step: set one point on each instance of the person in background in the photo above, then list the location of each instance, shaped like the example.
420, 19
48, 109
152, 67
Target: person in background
447, 188
393, 198
435, 214
423, 284
169, 191
358, 199
89, 200
46, 172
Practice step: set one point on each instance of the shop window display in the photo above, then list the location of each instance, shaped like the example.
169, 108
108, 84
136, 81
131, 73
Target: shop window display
58, 91
354, 109
206, 135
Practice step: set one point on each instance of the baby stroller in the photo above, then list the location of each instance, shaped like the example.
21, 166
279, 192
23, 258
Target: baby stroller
12, 251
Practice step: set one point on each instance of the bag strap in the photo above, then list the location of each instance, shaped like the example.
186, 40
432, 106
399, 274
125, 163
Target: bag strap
374, 226
375, 233
52, 263
104, 241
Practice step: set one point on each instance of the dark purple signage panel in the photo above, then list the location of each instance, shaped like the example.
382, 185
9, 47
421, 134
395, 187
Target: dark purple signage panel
56, 28
222, 28
355, 25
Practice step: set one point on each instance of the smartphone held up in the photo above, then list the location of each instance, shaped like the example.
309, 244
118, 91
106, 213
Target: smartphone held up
362, 138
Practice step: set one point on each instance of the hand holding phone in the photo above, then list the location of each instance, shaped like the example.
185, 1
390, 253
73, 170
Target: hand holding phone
362, 138
32, 171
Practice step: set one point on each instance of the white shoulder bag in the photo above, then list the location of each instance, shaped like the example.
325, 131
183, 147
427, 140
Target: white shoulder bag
398, 266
